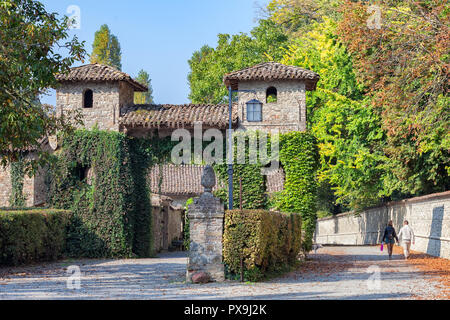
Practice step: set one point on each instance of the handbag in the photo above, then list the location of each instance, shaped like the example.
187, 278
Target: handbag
381, 248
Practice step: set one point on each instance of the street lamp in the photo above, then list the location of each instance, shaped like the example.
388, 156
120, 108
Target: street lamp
230, 144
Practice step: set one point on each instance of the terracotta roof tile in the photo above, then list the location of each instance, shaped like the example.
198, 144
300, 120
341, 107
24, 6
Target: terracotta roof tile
98, 73
270, 71
176, 116
185, 180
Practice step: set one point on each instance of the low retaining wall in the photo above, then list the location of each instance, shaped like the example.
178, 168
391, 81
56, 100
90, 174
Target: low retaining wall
429, 217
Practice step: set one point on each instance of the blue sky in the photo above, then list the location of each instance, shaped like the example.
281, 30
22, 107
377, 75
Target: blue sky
160, 36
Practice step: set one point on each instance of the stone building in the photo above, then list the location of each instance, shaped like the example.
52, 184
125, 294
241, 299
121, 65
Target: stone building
271, 96
278, 93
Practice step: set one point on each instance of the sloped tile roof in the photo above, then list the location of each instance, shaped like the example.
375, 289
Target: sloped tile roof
182, 180
269, 71
99, 73
176, 116
185, 180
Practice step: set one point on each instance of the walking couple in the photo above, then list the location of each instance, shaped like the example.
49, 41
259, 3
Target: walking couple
406, 235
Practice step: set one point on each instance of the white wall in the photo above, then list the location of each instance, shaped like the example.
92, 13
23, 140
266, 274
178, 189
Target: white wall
429, 217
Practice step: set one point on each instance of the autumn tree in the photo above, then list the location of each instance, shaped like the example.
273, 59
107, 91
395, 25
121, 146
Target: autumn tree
106, 48
404, 62
299, 16
339, 115
144, 97
29, 36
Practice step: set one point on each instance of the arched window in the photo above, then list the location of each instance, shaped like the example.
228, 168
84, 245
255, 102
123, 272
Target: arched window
254, 111
88, 99
271, 95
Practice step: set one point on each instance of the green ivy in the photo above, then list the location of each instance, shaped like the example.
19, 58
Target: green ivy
112, 211
253, 181
17, 198
300, 160
187, 225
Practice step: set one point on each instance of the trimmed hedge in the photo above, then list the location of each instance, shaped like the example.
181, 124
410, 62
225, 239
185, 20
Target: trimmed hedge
28, 236
269, 242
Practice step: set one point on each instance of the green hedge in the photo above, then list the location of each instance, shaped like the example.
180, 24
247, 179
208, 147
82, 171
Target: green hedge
269, 242
28, 236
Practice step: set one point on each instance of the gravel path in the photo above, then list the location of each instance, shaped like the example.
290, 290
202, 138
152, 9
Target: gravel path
331, 273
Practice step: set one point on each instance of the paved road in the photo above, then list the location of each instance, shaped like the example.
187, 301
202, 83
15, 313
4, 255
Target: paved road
332, 273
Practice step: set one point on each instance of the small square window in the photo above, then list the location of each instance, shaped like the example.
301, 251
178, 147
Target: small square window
254, 111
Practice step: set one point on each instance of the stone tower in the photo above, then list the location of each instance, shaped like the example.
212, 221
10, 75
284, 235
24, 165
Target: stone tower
272, 96
99, 92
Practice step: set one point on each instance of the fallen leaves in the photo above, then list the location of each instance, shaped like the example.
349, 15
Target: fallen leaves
437, 268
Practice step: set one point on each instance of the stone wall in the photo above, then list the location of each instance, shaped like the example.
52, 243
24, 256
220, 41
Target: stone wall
5, 186
167, 222
34, 188
428, 216
287, 114
175, 224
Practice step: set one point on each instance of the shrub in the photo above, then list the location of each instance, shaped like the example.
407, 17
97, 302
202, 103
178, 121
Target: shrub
269, 242
28, 236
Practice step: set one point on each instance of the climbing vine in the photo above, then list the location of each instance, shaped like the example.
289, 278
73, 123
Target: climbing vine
300, 160
248, 175
102, 178
17, 198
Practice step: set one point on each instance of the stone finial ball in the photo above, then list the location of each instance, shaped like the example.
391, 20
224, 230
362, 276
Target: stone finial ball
208, 178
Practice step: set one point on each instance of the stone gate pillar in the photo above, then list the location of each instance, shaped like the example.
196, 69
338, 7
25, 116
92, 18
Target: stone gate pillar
206, 216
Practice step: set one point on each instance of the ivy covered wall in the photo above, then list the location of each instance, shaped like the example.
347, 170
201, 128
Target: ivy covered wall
101, 177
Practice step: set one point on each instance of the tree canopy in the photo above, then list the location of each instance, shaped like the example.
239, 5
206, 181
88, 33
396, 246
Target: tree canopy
381, 109
29, 60
208, 65
144, 97
106, 48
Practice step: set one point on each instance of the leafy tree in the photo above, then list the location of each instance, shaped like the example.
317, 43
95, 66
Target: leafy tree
347, 129
404, 63
116, 53
28, 64
106, 48
208, 65
144, 97
299, 16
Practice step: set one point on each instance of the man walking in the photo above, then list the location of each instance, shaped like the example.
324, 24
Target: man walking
406, 236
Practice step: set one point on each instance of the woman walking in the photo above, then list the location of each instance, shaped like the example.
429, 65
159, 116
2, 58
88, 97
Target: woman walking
389, 237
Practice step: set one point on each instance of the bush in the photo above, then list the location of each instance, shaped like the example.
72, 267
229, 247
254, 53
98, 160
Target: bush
269, 242
28, 236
